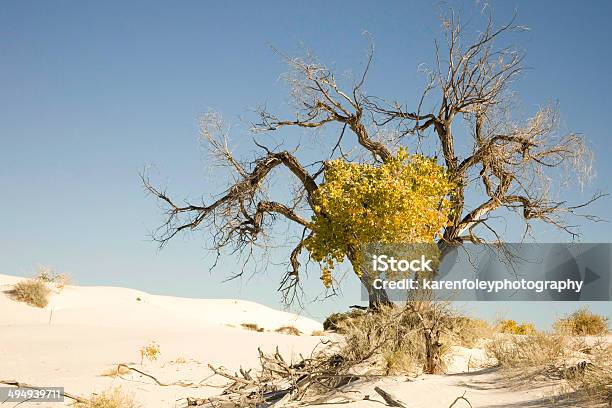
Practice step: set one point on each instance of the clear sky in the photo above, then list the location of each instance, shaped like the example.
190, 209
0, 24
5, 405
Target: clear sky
92, 92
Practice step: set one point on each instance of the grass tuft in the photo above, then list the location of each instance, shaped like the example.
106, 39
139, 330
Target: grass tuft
112, 398
252, 326
292, 330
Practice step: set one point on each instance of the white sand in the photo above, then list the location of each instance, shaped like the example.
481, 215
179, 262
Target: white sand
94, 328
85, 331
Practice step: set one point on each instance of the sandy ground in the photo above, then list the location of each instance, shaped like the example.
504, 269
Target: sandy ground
85, 331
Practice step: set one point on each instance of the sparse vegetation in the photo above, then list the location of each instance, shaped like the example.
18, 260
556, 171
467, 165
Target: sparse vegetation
583, 323
112, 398
387, 336
467, 331
34, 292
149, 352
393, 336
512, 327
292, 330
318, 333
593, 380
585, 367
46, 274
335, 321
529, 351
252, 326
115, 371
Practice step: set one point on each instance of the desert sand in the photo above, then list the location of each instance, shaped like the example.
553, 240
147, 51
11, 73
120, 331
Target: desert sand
86, 331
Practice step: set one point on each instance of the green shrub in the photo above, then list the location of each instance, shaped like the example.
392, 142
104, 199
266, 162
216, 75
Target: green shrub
583, 323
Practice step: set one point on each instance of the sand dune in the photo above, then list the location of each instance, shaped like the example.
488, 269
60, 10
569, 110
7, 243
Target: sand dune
85, 331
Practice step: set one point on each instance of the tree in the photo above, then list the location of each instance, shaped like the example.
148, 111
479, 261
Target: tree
514, 161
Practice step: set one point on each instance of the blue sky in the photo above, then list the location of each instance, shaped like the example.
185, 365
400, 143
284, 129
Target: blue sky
92, 92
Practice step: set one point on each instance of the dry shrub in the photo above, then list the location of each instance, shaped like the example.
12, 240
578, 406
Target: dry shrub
46, 274
593, 382
536, 350
150, 352
336, 321
512, 327
583, 323
393, 336
292, 330
387, 336
252, 326
585, 367
317, 333
467, 332
112, 398
32, 291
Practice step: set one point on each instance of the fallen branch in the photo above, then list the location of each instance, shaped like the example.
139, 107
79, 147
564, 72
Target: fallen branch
461, 398
161, 384
18, 384
389, 398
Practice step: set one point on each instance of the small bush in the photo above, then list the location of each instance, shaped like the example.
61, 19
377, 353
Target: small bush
114, 398
46, 274
387, 337
292, 330
594, 381
150, 352
589, 373
512, 327
32, 291
466, 331
532, 350
336, 321
583, 323
317, 333
252, 326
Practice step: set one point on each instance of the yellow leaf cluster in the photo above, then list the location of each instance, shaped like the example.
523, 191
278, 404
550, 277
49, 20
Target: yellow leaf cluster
401, 200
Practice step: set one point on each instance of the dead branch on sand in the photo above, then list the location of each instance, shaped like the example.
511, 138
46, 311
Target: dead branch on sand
18, 384
279, 383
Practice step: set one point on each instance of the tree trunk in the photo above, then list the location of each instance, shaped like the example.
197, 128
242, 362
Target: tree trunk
432, 351
376, 297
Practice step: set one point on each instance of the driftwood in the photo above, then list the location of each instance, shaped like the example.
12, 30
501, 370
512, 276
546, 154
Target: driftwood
18, 384
460, 398
389, 398
161, 384
279, 383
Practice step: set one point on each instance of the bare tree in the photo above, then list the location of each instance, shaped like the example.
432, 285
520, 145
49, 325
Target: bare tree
515, 161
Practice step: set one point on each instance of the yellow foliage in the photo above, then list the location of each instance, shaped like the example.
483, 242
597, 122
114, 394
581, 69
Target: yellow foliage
402, 200
150, 351
512, 327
